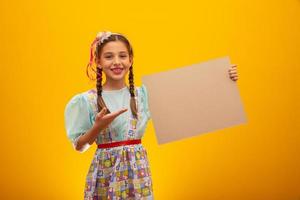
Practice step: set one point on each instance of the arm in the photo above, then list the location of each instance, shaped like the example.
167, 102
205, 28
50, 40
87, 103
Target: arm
101, 122
88, 138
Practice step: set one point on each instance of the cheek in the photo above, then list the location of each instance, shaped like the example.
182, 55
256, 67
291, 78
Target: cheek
127, 65
105, 62
126, 70
106, 70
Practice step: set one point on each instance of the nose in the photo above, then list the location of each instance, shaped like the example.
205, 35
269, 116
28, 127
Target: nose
117, 61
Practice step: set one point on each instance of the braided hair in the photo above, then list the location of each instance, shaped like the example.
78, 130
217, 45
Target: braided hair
100, 102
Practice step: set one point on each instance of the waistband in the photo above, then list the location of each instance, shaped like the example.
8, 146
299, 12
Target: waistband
119, 143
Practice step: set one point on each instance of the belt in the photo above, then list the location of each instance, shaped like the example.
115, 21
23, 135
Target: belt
119, 143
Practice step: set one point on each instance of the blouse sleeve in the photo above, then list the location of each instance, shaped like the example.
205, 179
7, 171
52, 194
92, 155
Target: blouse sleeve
144, 93
77, 119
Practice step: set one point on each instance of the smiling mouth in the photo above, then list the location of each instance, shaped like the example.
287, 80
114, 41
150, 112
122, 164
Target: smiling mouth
117, 70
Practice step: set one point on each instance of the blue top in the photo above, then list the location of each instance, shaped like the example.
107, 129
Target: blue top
81, 110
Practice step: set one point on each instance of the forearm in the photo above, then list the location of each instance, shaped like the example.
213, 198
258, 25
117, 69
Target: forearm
88, 138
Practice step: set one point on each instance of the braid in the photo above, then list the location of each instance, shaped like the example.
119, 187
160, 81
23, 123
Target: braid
133, 105
95, 57
100, 101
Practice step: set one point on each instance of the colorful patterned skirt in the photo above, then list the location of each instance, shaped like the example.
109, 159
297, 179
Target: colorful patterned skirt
121, 172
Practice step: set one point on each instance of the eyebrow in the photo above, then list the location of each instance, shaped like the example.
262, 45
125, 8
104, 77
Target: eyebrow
108, 52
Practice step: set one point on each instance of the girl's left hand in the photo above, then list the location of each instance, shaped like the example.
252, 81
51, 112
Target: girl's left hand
233, 72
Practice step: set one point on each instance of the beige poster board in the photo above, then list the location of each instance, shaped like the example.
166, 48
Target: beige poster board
193, 100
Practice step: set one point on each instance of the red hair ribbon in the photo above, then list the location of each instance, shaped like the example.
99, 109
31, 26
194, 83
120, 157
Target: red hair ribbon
96, 40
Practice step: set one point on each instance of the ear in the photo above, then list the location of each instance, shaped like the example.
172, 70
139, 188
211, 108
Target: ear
131, 60
98, 63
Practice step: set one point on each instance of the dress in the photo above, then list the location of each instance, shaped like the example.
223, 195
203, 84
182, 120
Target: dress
121, 172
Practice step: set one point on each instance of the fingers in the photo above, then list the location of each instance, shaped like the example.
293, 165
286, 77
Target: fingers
233, 68
102, 112
233, 72
121, 111
117, 113
234, 77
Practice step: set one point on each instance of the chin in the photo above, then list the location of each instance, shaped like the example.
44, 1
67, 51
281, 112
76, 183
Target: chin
117, 77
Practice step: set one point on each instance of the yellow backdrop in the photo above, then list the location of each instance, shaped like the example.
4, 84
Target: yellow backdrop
44, 51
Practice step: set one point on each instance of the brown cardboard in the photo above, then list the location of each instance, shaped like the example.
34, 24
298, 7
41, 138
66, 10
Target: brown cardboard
193, 100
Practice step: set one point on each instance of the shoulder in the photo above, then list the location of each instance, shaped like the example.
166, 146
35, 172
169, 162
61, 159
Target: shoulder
78, 97
142, 91
81, 99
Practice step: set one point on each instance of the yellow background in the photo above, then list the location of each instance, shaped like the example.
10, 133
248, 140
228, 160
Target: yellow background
44, 51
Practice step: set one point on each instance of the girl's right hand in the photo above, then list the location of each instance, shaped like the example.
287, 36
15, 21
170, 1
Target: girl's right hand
102, 120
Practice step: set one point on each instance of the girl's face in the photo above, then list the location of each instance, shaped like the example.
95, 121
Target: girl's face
115, 60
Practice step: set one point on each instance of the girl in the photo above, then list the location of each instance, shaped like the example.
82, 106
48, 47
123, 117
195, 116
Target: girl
114, 116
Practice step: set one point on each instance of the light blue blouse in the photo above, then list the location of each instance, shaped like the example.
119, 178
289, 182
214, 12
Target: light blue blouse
81, 110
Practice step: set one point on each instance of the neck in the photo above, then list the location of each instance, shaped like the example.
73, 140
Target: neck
113, 85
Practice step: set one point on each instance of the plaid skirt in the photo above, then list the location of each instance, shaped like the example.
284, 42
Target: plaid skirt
121, 172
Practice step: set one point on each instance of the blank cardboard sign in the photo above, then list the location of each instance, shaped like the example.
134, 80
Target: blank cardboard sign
193, 100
